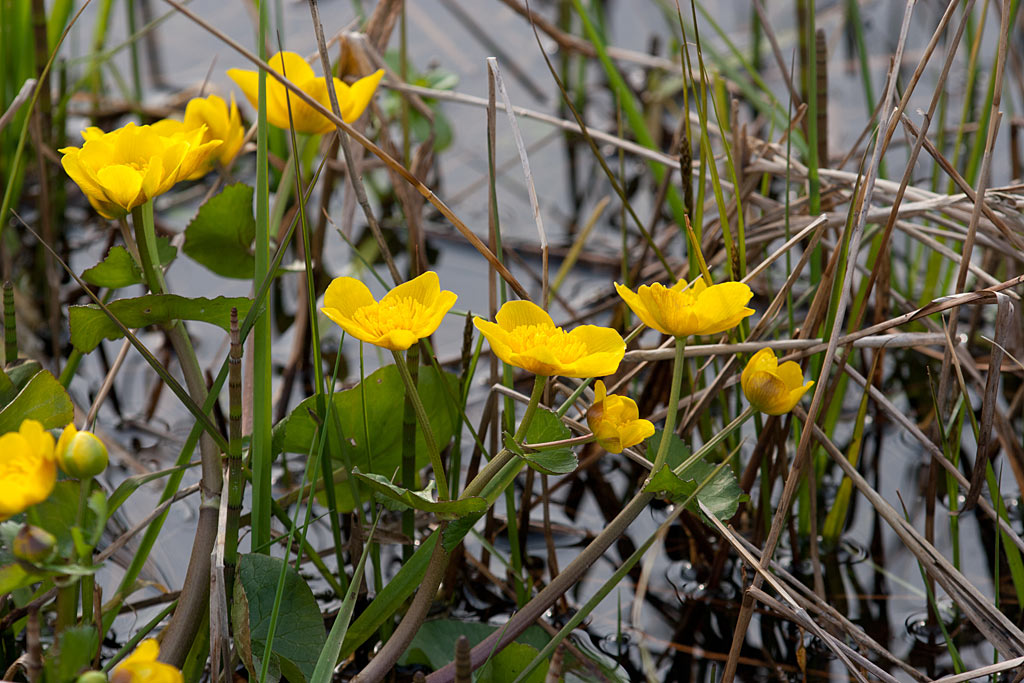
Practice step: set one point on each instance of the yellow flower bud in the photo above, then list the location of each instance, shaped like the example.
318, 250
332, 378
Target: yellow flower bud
80, 453
772, 388
33, 544
615, 420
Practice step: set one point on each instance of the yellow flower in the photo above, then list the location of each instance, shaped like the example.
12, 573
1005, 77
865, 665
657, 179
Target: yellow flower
772, 388
407, 313
222, 123
615, 420
80, 453
28, 470
141, 667
681, 311
352, 99
127, 167
525, 336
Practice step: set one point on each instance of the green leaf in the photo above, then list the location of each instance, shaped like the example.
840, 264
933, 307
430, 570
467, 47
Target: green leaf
385, 405
721, 493
90, 325
119, 269
71, 654
434, 646
42, 398
403, 499
220, 236
299, 633
547, 427
58, 512
13, 576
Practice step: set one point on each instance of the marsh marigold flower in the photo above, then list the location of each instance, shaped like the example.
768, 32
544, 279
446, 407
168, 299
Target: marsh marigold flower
222, 123
28, 470
525, 336
772, 388
352, 99
681, 311
127, 167
80, 453
406, 314
615, 420
141, 667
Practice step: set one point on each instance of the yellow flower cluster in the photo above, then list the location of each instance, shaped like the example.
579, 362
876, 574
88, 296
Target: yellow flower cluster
127, 167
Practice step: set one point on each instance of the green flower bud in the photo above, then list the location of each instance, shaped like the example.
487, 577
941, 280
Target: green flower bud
92, 677
33, 544
81, 454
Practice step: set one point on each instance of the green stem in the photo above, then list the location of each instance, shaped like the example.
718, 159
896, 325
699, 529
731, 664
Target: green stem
193, 600
87, 581
673, 406
505, 456
428, 433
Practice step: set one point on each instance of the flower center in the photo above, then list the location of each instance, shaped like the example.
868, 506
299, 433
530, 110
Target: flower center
564, 347
392, 313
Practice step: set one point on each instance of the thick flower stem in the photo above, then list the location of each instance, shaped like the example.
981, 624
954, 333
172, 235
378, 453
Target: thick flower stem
673, 406
191, 605
505, 456
428, 433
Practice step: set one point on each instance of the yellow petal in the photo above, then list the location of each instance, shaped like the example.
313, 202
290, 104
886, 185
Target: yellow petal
424, 288
600, 391
249, 83
518, 313
721, 307
358, 95
638, 307
790, 374
346, 295
122, 185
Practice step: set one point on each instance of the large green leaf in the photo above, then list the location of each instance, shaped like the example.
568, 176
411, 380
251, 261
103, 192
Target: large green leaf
39, 397
434, 646
299, 634
384, 408
118, 269
90, 325
220, 236
398, 498
721, 493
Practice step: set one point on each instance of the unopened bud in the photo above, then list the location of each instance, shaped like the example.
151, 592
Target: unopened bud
92, 677
33, 544
80, 453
